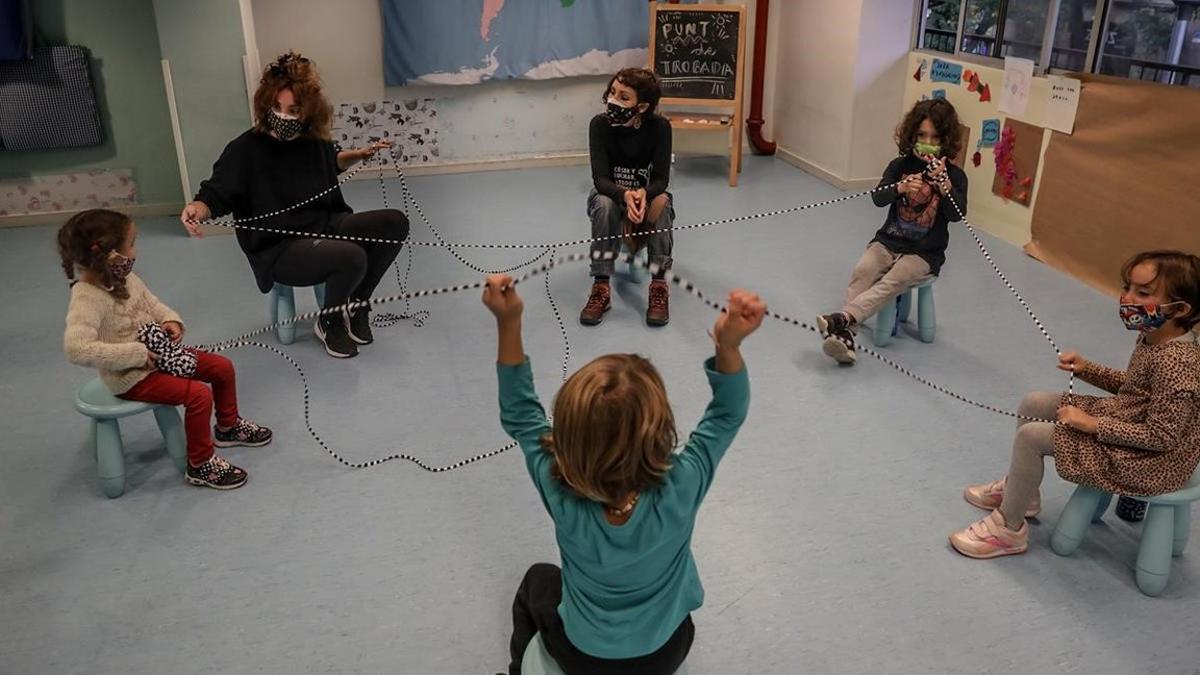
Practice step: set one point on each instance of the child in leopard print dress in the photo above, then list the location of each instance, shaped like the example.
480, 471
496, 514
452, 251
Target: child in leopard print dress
1142, 441
111, 308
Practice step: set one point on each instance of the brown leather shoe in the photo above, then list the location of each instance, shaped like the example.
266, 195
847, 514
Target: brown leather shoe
599, 302
658, 312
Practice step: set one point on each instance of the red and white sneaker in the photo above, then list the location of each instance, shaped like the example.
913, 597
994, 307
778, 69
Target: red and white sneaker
988, 497
991, 538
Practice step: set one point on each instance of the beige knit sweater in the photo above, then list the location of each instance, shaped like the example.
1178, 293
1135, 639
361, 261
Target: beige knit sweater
102, 331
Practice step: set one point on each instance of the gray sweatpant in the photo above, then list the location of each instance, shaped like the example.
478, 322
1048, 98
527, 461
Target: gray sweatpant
608, 220
1033, 443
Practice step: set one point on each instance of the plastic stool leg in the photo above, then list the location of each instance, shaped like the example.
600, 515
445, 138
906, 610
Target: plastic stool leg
283, 308
319, 293
110, 457
173, 433
926, 323
905, 305
1183, 527
1073, 523
1102, 508
1154, 553
885, 321
638, 274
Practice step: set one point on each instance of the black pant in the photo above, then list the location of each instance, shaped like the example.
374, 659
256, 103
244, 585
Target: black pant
349, 269
535, 610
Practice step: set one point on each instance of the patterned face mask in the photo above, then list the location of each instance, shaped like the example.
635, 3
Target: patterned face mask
285, 127
927, 149
121, 266
619, 114
1146, 317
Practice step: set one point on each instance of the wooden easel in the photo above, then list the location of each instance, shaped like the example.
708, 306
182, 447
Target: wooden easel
731, 121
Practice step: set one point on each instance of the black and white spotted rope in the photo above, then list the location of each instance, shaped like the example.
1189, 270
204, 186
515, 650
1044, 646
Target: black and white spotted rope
672, 277
333, 453
409, 199
241, 224
693, 290
562, 326
545, 269
987, 255
388, 319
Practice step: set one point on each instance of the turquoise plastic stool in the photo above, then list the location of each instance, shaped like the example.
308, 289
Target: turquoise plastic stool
889, 318
637, 274
537, 661
282, 304
97, 402
1164, 532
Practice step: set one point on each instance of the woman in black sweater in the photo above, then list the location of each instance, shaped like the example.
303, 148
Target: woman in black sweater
285, 159
630, 147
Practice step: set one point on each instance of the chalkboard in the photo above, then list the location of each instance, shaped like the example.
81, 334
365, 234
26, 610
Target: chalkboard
695, 52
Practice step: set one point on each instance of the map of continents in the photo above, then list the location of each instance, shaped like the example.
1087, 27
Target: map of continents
470, 41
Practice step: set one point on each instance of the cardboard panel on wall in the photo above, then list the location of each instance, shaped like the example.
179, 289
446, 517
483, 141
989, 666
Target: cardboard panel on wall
1124, 182
1020, 149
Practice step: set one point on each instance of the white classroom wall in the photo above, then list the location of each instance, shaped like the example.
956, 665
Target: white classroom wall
838, 91
884, 42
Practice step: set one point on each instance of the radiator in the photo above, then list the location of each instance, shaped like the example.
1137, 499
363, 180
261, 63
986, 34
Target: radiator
48, 102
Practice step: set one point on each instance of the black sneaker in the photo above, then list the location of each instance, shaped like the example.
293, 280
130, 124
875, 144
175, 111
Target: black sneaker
839, 338
244, 433
832, 324
358, 324
840, 347
1131, 510
331, 329
217, 474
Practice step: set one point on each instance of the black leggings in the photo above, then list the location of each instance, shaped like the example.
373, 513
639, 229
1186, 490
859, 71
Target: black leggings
535, 610
350, 270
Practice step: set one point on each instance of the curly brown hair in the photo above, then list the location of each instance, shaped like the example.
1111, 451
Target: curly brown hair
644, 82
87, 239
293, 71
614, 430
1179, 274
944, 117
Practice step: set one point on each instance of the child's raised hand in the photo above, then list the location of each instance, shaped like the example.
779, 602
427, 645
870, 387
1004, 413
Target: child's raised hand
1071, 362
500, 296
174, 330
742, 317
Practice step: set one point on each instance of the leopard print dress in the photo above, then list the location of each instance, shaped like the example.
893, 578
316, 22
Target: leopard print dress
1148, 442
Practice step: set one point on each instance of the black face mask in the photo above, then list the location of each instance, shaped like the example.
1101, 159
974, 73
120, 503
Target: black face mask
286, 128
619, 114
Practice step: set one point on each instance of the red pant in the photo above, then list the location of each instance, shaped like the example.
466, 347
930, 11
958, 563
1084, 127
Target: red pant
197, 399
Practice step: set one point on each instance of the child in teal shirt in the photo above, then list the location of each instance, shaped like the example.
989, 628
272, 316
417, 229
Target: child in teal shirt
623, 503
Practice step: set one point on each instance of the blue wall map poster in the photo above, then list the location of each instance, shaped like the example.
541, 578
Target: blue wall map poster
471, 41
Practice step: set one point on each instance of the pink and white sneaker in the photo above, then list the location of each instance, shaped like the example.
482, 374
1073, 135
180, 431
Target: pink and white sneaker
988, 497
990, 538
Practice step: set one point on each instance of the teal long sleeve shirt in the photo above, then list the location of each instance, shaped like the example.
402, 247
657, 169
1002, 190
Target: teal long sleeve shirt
627, 588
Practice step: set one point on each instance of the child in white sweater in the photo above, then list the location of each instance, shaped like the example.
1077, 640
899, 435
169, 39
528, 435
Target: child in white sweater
109, 305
